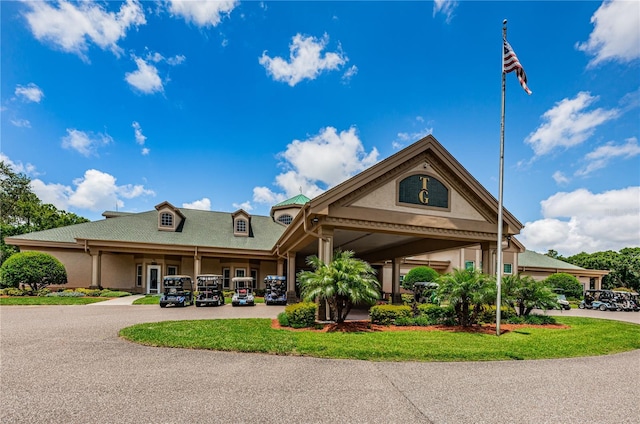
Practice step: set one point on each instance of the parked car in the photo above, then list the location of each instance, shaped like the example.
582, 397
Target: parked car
209, 288
275, 292
178, 291
243, 291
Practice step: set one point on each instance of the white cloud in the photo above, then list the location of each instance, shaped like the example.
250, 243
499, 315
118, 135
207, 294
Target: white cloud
202, 13
158, 58
85, 143
22, 123
446, 7
72, 26
137, 130
560, 178
600, 157
349, 73
203, 204
246, 206
615, 35
95, 191
145, 79
404, 138
19, 167
583, 221
568, 124
145, 151
311, 166
29, 93
305, 60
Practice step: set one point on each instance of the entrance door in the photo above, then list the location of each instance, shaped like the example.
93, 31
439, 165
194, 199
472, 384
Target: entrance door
153, 279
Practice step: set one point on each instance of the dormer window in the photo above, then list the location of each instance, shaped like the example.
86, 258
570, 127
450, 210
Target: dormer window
241, 224
169, 217
285, 219
166, 219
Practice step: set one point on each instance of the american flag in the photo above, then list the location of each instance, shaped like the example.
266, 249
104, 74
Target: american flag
510, 62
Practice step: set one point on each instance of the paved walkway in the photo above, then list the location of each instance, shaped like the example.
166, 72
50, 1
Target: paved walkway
119, 301
66, 364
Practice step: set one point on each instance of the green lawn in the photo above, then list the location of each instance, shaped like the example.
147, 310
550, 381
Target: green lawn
44, 300
586, 337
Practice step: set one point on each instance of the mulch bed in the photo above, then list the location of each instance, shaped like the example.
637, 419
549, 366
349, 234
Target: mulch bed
368, 327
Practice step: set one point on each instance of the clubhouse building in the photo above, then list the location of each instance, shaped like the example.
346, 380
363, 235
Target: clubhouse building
417, 207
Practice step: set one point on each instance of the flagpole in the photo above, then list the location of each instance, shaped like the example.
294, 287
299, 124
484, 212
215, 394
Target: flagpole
500, 189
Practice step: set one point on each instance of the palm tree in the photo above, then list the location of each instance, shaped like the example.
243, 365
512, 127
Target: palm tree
343, 282
523, 293
468, 291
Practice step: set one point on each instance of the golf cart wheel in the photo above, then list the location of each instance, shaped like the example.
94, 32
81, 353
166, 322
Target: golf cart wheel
581, 305
603, 307
198, 304
163, 305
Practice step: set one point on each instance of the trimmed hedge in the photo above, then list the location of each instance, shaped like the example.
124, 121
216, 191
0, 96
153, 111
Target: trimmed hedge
301, 314
388, 314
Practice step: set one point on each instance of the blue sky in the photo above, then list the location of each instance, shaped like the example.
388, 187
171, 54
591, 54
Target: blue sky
227, 105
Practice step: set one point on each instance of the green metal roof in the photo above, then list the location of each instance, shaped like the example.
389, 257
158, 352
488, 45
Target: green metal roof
200, 228
300, 199
537, 260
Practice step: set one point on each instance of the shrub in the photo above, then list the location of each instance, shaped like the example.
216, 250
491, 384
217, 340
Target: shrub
12, 291
569, 284
90, 292
388, 314
404, 321
435, 314
114, 293
259, 292
539, 319
488, 315
419, 274
66, 293
35, 269
283, 319
302, 314
407, 299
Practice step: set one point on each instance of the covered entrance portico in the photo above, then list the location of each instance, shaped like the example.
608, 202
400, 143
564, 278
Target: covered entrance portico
418, 201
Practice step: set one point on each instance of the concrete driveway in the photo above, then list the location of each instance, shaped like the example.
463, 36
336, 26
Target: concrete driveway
66, 364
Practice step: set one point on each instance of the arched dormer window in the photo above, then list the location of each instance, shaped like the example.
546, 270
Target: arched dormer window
166, 219
285, 219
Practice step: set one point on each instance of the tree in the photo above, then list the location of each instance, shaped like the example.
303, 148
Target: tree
35, 269
569, 284
22, 211
468, 291
343, 282
418, 274
523, 294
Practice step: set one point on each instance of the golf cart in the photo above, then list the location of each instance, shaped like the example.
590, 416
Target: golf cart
599, 299
178, 291
425, 292
563, 303
243, 291
209, 287
628, 301
275, 292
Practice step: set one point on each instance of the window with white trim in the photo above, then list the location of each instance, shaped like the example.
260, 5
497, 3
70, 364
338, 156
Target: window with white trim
508, 269
172, 270
469, 265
